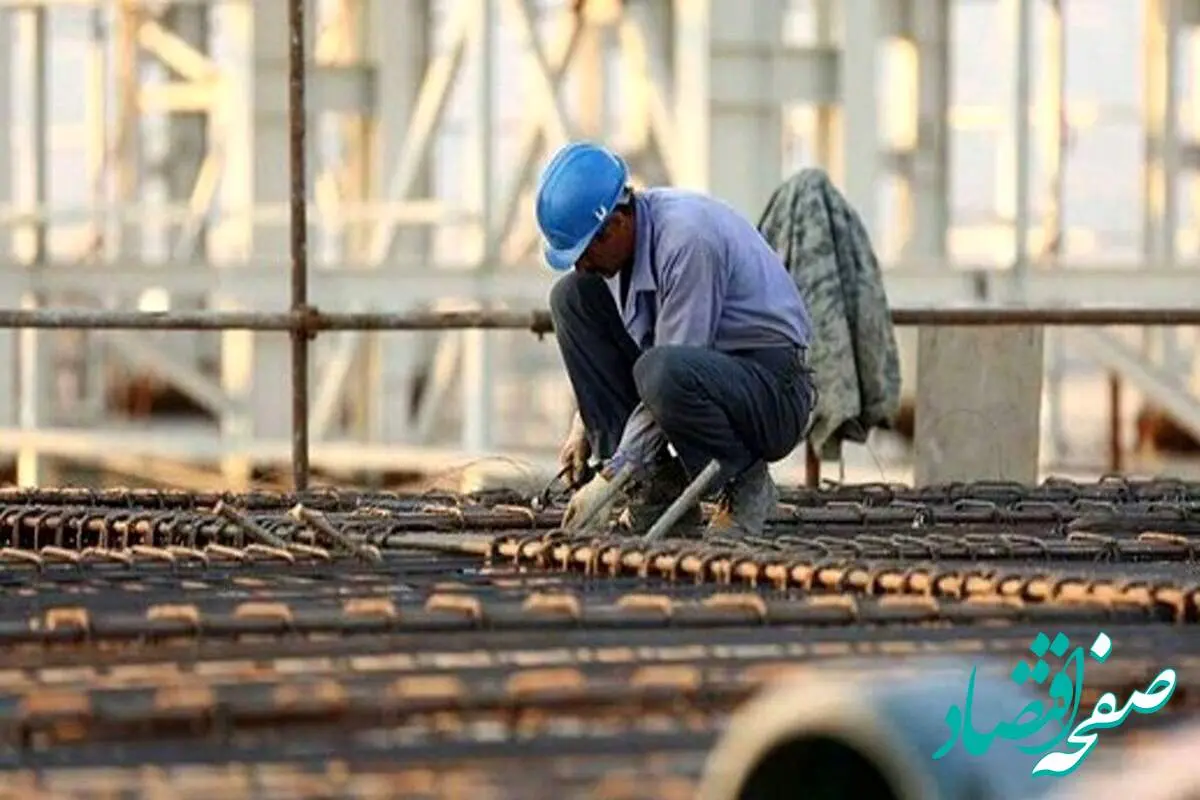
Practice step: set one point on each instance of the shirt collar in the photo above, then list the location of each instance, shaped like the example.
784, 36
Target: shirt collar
641, 276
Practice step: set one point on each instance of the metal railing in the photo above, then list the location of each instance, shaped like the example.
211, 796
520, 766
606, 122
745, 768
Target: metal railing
304, 321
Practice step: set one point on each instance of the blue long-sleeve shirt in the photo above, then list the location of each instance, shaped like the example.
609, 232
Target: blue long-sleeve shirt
702, 276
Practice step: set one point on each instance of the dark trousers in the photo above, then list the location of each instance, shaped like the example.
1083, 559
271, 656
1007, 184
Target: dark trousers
739, 408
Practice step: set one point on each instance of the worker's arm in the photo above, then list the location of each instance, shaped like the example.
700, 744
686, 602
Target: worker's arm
640, 442
691, 290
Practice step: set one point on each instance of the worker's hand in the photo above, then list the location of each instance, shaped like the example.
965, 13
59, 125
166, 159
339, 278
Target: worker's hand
593, 497
573, 455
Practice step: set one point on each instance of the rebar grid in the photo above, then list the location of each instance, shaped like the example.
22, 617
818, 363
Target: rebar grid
451, 642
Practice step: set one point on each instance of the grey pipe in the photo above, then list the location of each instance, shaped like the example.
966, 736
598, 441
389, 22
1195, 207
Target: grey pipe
682, 504
838, 732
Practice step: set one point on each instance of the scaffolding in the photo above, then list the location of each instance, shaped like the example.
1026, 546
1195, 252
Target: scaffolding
421, 167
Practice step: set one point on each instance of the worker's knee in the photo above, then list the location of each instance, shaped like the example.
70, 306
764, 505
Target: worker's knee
574, 297
664, 377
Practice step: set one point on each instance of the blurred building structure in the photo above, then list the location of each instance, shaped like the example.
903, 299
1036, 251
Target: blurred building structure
1002, 151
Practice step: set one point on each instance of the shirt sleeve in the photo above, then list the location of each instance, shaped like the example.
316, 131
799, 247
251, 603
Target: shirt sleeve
691, 291
641, 441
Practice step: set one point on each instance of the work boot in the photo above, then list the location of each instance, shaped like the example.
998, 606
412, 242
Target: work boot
654, 494
744, 505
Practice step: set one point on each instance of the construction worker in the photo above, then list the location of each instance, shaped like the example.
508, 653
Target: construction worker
678, 325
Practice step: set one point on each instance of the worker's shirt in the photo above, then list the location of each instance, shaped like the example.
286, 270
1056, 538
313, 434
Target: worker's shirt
702, 276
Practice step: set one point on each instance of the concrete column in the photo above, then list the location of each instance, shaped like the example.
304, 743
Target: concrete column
270, 178
827, 144
729, 109
979, 396
1190, 16
929, 175
346, 372
188, 130
1162, 155
1051, 158
478, 372
1190, 19
925, 167
255, 367
230, 239
400, 42
128, 234
642, 63
8, 383
1162, 146
32, 182
862, 28
589, 75
979, 390
187, 148
647, 46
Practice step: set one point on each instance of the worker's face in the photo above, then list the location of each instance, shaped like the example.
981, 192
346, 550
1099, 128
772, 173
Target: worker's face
612, 248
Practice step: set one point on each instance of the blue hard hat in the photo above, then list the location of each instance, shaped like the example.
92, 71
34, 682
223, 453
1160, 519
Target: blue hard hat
575, 197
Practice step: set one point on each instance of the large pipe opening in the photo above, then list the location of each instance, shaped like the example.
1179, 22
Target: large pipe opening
816, 768
846, 733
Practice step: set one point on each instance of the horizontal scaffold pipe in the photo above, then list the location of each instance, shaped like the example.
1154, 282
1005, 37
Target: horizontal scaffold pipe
537, 322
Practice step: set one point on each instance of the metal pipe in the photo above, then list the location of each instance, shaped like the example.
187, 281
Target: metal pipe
299, 223
309, 320
685, 502
1116, 449
812, 467
1059, 317
255, 531
312, 321
840, 731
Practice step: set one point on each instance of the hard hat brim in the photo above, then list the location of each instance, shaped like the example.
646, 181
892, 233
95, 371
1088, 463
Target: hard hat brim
563, 260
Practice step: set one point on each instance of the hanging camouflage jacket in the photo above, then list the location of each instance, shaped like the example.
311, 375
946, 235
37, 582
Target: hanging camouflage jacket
853, 352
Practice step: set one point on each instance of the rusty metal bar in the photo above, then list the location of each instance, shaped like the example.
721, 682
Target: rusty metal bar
312, 321
985, 501
308, 319
686, 501
37, 537
1116, 450
299, 223
812, 467
142, 626
1058, 317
